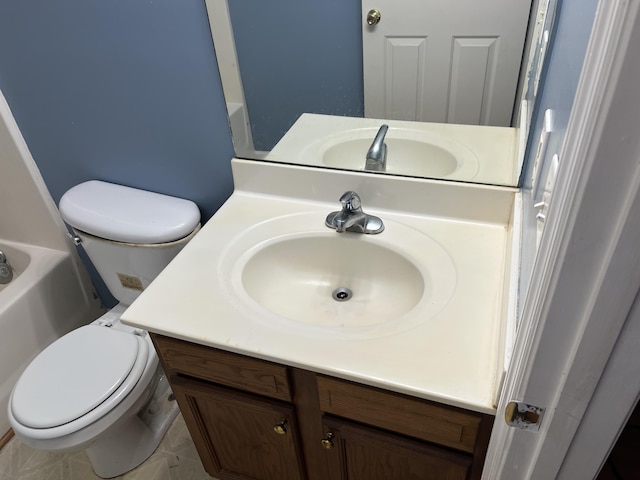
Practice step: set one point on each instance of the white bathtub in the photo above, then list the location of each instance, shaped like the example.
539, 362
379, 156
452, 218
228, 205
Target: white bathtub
44, 301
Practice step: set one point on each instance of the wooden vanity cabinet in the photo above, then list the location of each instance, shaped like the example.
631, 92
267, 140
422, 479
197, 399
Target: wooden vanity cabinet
258, 420
237, 409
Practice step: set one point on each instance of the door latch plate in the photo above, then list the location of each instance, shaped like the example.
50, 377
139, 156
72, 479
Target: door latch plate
523, 416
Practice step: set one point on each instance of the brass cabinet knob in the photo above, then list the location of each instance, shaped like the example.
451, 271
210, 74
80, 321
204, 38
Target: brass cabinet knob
327, 442
374, 16
281, 428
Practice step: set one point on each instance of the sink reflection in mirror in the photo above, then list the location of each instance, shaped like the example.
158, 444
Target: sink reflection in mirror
468, 153
294, 272
419, 156
409, 153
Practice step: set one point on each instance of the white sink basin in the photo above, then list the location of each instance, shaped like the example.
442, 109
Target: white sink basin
409, 152
296, 272
332, 281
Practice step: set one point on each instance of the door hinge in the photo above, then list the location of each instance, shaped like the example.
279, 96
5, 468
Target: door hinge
523, 416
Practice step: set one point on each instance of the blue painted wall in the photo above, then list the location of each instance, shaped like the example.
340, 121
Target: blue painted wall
125, 91
573, 24
282, 77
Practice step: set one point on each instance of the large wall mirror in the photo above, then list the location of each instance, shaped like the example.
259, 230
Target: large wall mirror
449, 79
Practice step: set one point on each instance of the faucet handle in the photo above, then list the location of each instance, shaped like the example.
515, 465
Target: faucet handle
351, 218
350, 201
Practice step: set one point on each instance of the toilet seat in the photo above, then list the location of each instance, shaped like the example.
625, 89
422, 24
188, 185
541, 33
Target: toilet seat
91, 369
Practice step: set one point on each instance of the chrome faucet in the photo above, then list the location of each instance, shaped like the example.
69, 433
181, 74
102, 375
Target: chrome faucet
351, 218
377, 154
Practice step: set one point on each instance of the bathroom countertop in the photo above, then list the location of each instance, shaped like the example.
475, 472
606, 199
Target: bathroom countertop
454, 357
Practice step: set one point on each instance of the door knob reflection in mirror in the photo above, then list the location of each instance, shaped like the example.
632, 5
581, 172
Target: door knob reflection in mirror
374, 16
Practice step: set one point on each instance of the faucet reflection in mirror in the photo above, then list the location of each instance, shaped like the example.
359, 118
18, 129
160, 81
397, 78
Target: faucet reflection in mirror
377, 154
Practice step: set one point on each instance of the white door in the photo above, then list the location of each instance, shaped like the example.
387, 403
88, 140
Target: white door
453, 61
569, 357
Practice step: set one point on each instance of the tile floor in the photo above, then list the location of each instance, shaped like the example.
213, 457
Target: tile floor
175, 459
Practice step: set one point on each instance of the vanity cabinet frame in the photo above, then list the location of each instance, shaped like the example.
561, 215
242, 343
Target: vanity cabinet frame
232, 402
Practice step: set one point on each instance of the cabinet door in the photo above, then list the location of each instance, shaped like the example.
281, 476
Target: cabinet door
240, 436
363, 453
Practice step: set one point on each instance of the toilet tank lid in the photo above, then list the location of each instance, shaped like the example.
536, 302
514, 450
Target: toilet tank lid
125, 214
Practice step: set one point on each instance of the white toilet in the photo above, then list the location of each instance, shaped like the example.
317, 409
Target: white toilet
100, 387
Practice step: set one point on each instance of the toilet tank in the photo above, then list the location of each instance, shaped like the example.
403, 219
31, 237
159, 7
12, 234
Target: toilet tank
130, 235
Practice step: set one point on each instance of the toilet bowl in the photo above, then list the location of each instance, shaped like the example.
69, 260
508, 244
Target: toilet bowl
100, 387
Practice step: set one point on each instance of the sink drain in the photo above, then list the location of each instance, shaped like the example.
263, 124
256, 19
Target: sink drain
342, 294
